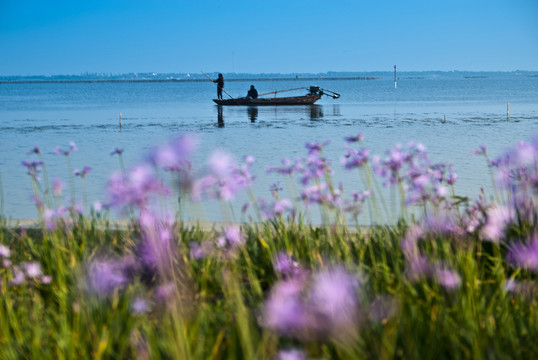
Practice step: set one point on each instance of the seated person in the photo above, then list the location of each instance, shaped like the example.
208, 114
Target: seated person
252, 93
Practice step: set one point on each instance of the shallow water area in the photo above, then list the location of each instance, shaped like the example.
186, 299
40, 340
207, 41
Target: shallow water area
451, 114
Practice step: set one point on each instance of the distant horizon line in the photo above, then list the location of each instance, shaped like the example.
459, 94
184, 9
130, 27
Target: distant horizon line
263, 74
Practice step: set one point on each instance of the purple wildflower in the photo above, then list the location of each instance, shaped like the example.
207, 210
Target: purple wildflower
448, 279
33, 167
135, 188
315, 147
276, 208
355, 158
496, 221
275, 189
282, 206
105, 276
481, 151
156, 247
82, 173
225, 180
288, 167
175, 155
5, 252
291, 354
328, 304
116, 151
231, 237
38, 202
18, 277
32, 269
313, 168
510, 285
220, 163
354, 138
163, 293
286, 266
334, 297
140, 306
72, 148
409, 242
285, 310
97, 206
442, 223
525, 154
525, 255
202, 250
57, 187
418, 267
197, 252
35, 150
452, 177
50, 219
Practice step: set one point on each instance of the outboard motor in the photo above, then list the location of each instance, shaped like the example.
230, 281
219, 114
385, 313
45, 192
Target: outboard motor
314, 90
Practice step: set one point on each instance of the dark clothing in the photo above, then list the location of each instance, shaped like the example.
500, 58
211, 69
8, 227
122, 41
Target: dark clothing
220, 86
252, 93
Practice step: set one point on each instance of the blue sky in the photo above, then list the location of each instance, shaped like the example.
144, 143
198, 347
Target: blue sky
72, 37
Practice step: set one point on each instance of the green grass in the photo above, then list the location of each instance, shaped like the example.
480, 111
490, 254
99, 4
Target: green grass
217, 315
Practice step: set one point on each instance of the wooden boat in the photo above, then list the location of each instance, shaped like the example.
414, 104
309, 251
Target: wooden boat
290, 100
313, 95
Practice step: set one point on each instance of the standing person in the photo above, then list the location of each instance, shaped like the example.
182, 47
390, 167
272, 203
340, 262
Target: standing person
220, 86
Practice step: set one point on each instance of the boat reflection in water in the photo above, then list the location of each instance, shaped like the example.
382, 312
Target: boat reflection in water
252, 113
220, 117
269, 114
316, 112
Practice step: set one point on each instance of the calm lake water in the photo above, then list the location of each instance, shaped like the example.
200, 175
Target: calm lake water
53, 114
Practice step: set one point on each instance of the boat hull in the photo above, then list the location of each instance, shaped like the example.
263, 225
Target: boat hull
292, 100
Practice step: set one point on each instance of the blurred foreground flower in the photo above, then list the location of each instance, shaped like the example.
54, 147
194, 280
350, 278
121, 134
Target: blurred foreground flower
525, 255
136, 188
325, 304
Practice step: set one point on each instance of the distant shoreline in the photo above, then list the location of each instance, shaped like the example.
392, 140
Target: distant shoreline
88, 81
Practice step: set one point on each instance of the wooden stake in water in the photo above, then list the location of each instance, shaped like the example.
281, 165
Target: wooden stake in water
120, 121
395, 76
444, 121
507, 110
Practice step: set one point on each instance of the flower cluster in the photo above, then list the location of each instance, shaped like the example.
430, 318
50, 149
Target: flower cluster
230, 239
23, 273
225, 178
135, 188
517, 172
525, 255
155, 263
421, 180
270, 210
323, 304
419, 265
72, 148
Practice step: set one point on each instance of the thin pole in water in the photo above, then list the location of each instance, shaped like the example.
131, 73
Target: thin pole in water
507, 110
395, 76
120, 121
